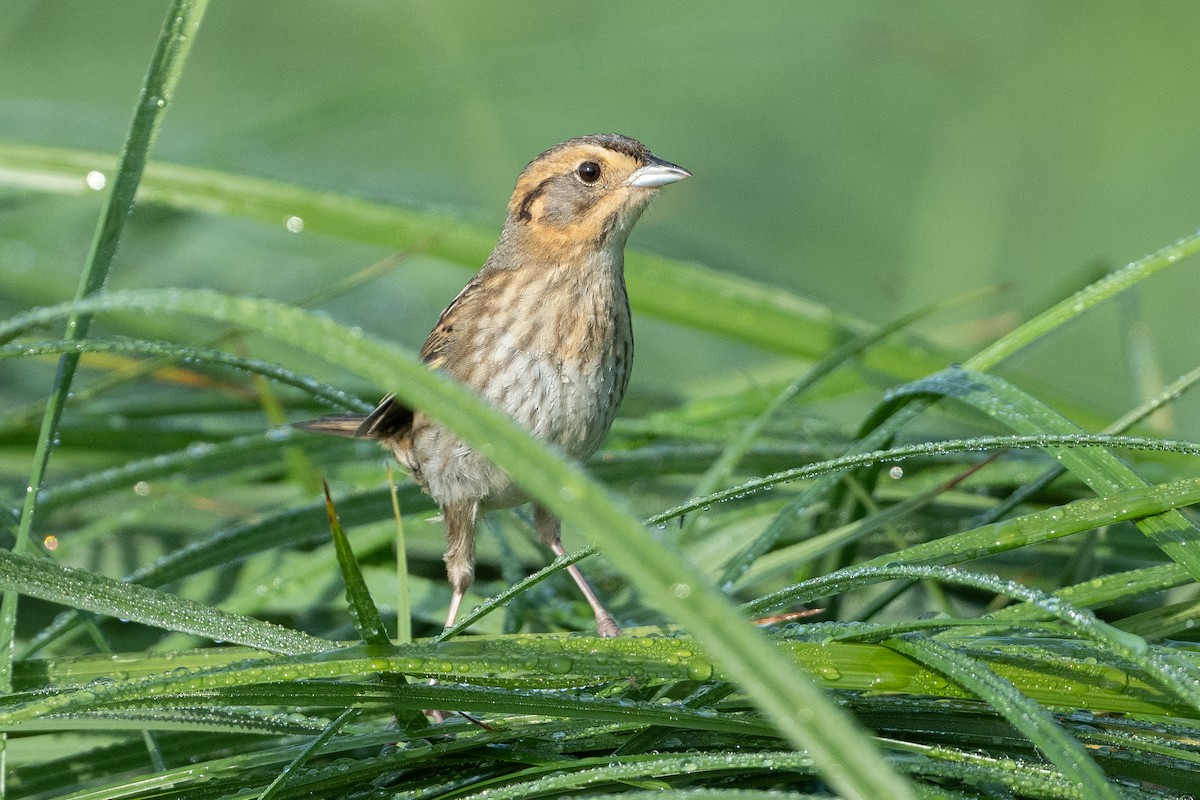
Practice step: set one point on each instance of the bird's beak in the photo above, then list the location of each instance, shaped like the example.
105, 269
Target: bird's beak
657, 173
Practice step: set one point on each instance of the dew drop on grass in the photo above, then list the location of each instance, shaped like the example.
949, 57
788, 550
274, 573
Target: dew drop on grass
559, 665
830, 673
200, 449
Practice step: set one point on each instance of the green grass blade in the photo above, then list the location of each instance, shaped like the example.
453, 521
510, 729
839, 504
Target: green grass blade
492, 603
890, 417
1061, 313
1106, 590
403, 607
362, 608
299, 761
330, 395
821, 469
1052, 523
197, 461
86, 590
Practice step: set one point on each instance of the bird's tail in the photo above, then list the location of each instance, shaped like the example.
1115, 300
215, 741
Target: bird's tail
389, 420
345, 425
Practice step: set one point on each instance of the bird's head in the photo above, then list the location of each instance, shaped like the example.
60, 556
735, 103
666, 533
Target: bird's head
586, 193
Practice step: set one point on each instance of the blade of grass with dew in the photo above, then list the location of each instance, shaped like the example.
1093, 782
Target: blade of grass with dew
198, 461
1074, 306
310, 679
158, 89
294, 526
86, 590
167, 351
492, 603
330, 395
843, 752
403, 606
841, 657
1163, 622
820, 469
1052, 523
1105, 590
366, 616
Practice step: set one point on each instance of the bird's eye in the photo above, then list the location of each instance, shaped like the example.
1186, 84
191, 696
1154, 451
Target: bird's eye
588, 172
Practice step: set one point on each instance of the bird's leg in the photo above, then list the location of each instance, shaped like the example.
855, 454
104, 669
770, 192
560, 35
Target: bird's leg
460, 552
548, 531
460, 566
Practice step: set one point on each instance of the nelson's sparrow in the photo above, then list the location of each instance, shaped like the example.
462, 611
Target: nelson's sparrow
542, 332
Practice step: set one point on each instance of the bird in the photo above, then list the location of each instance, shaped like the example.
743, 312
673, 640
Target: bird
542, 332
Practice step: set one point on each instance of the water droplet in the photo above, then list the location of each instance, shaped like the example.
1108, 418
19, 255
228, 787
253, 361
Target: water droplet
896, 473
681, 590
294, 224
559, 665
198, 449
280, 434
95, 180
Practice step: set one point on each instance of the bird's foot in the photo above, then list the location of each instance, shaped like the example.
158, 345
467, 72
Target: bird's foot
607, 627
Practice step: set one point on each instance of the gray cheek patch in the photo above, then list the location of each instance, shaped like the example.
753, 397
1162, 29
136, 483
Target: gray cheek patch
564, 201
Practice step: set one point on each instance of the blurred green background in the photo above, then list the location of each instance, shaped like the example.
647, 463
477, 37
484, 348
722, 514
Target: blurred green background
873, 157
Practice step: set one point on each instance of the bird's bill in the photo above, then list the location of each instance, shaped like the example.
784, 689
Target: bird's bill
657, 173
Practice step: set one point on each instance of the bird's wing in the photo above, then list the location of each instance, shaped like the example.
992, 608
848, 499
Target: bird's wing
433, 352
391, 418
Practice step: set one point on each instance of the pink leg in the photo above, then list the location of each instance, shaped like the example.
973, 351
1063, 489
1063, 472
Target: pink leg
460, 566
460, 553
455, 602
548, 531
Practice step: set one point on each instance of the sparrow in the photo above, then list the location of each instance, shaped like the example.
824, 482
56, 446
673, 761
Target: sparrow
542, 332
